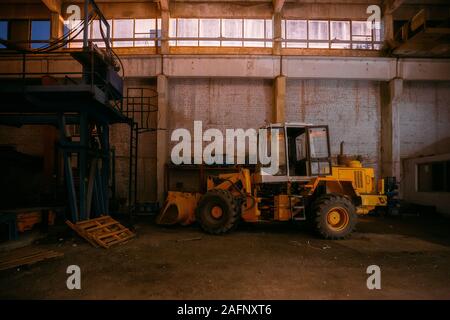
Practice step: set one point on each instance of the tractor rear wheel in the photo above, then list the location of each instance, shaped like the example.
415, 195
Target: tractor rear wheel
335, 216
217, 211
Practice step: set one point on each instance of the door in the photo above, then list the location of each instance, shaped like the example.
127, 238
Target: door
319, 151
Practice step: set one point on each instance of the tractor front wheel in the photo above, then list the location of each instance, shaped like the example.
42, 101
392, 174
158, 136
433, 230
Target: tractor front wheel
335, 216
217, 211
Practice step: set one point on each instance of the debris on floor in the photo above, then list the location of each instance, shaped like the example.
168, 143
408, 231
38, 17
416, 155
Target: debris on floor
25, 256
103, 231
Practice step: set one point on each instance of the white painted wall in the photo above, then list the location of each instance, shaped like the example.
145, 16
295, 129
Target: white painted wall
350, 108
424, 119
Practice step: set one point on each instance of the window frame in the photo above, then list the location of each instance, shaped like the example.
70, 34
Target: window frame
444, 176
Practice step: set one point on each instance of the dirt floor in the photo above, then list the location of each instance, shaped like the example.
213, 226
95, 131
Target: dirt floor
266, 261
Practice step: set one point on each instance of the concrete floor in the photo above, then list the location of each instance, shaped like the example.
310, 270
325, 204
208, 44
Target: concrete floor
255, 262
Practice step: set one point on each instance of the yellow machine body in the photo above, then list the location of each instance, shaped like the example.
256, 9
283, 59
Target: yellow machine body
306, 187
354, 181
179, 208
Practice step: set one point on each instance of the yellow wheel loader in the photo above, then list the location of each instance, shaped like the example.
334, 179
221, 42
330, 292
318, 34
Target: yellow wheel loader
306, 187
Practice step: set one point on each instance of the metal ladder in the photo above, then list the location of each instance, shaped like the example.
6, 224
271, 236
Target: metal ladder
133, 163
140, 103
298, 211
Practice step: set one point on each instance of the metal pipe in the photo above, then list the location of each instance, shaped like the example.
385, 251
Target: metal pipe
86, 24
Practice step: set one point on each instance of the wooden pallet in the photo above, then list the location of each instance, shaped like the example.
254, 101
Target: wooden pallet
25, 256
103, 231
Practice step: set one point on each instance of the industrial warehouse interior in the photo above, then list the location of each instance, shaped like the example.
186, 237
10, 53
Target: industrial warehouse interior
225, 150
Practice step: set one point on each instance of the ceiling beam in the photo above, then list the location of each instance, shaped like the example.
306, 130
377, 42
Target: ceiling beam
389, 6
163, 5
278, 5
53, 5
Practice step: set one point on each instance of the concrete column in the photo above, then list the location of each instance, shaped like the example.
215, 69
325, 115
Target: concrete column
277, 20
388, 30
390, 128
165, 19
279, 99
162, 135
57, 26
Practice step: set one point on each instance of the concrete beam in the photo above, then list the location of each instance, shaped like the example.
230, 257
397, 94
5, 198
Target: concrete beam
278, 5
390, 128
222, 66
141, 66
162, 136
252, 66
389, 6
163, 5
53, 5
381, 69
424, 69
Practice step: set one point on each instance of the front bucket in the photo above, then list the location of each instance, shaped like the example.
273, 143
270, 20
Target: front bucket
178, 208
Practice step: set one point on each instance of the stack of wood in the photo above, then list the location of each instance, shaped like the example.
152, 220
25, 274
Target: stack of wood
25, 256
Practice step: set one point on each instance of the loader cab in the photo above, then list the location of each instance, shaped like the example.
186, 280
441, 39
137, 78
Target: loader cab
304, 152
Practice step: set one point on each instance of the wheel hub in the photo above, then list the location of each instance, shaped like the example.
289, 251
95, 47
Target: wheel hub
216, 212
337, 218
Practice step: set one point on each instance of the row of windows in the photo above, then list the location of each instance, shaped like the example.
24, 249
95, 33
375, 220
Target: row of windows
295, 33
129, 31
333, 34
39, 31
219, 32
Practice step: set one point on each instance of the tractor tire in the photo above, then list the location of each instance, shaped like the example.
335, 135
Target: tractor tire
217, 211
335, 216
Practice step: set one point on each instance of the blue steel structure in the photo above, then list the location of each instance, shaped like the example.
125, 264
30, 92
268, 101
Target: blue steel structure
90, 99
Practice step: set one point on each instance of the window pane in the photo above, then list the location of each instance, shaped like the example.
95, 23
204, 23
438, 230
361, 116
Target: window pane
187, 28
254, 29
96, 32
75, 25
361, 28
40, 30
296, 30
3, 32
232, 28
318, 30
438, 176
424, 177
209, 28
318, 143
123, 28
145, 28
340, 30
269, 35
172, 31
434, 176
361, 31
377, 34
